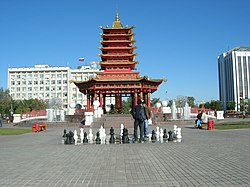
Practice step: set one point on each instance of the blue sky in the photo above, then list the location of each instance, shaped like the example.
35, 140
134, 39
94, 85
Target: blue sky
178, 40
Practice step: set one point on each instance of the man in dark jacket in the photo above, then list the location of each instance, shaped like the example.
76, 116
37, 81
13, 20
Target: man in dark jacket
139, 116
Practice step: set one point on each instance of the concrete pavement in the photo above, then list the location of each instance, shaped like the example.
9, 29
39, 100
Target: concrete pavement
203, 158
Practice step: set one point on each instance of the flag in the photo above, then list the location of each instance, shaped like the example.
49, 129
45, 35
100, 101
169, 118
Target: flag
81, 59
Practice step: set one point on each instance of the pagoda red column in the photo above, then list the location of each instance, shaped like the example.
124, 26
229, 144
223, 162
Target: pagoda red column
148, 99
88, 101
101, 100
135, 98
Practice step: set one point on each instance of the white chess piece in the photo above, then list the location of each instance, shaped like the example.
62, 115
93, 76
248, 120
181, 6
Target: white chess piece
75, 137
157, 132
81, 135
161, 133
122, 127
90, 136
175, 131
178, 133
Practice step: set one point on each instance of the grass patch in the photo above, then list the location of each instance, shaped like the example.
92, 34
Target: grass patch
232, 125
13, 131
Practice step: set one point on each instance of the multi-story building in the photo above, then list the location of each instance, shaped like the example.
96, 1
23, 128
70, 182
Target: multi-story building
47, 82
234, 77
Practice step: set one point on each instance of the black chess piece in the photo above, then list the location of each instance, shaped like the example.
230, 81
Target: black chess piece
125, 138
98, 139
64, 133
165, 134
112, 135
170, 136
67, 141
85, 139
153, 137
71, 139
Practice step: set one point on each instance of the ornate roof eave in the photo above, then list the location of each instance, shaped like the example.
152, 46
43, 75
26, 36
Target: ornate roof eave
118, 48
111, 28
115, 41
130, 34
118, 63
117, 55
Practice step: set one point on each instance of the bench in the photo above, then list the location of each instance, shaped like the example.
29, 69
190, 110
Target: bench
36, 127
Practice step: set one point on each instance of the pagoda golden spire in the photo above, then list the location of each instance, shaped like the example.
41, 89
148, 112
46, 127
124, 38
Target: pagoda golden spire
117, 23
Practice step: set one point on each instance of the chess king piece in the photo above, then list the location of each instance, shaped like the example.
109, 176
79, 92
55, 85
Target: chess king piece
98, 139
85, 139
153, 137
112, 135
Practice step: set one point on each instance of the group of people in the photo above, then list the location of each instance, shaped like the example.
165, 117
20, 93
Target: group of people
201, 119
141, 114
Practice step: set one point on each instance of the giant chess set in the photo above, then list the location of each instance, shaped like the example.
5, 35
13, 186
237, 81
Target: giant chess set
158, 135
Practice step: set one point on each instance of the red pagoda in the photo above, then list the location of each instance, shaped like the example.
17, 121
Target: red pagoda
117, 78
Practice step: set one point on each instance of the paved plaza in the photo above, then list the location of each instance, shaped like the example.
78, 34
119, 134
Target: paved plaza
203, 158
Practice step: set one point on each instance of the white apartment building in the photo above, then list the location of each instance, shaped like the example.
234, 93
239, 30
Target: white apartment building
46, 82
234, 76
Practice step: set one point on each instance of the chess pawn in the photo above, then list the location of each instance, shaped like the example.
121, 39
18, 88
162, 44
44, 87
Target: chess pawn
153, 137
98, 139
125, 138
170, 136
64, 133
75, 137
112, 137
81, 134
85, 139
165, 135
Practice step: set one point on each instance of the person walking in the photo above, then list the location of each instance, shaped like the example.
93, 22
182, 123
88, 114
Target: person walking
148, 116
139, 116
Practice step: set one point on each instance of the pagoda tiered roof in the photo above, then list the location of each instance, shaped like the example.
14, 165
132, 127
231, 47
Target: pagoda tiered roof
117, 63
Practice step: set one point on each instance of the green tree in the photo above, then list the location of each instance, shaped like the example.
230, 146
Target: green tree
191, 101
154, 101
5, 102
127, 105
214, 105
231, 105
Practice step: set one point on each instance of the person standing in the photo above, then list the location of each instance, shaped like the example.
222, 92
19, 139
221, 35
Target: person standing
148, 116
139, 116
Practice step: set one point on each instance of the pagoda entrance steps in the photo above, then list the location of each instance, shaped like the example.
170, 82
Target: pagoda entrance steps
113, 120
